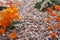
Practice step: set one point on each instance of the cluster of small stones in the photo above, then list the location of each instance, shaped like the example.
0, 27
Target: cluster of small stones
34, 25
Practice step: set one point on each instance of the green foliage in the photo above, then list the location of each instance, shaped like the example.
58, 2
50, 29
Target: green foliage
1, 8
14, 23
59, 16
57, 2
49, 5
11, 27
38, 5
53, 1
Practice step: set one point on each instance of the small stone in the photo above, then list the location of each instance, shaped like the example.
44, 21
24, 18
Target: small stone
52, 38
3, 34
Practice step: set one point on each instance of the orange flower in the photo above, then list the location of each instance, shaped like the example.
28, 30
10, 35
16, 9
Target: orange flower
16, 16
0, 22
15, 10
20, 18
50, 27
4, 23
2, 30
7, 16
49, 9
57, 18
53, 14
58, 25
8, 10
12, 17
53, 34
18, 3
13, 35
48, 19
3, 14
12, 6
8, 20
11, 2
57, 7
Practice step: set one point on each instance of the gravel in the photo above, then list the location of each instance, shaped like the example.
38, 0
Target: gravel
34, 26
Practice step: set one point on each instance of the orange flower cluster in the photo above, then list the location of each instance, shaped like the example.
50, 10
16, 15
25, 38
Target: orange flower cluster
56, 7
7, 16
55, 15
53, 34
49, 10
13, 35
50, 27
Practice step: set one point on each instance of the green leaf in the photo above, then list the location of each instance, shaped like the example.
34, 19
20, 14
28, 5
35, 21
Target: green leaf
38, 5
1, 26
1, 8
11, 27
59, 16
16, 23
53, 1
49, 4
57, 2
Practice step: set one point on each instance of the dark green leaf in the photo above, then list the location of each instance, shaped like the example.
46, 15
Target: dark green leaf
57, 2
59, 16
15, 22
49, 5
11, 27
1, 26
1, 8
53, 1
38, 5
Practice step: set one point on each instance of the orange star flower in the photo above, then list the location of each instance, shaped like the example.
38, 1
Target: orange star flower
57, 7
13, 35
53, 34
